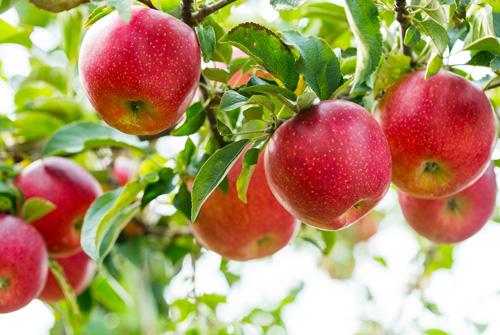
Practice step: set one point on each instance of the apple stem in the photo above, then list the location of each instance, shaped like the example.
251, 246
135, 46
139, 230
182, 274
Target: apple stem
4, 283
404, 22
207, 10
211, 114
148, 3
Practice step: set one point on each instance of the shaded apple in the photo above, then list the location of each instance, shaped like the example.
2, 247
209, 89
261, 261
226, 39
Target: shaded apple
455, 218
329, 165
141, 76
68, 186
240, 231
24, 263
365, 228
441, 132
79, 270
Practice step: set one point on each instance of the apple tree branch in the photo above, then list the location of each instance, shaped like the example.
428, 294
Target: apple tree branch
404, 22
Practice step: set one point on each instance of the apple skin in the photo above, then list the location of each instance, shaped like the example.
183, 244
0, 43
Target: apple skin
24, 263
68, 186
79, 270
240, 231
441, 133
329, 165
140, 77
455, 218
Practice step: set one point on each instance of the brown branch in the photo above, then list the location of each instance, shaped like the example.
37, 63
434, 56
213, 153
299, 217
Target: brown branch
404, 22
147, 3
186, 12
211, 113
207, 10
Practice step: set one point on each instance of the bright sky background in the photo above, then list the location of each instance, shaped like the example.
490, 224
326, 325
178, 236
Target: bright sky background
470, 291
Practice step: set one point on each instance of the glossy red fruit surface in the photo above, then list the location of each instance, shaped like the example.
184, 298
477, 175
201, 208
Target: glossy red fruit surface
441, 132
329, 165
24, 263
455, 218
68, 186
141, 76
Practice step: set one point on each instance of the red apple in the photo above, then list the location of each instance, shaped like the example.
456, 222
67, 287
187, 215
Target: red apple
141, 76
455, 218
441, 132
365, 228
68, 186
329, 165
79, 270
240, 231
24, 263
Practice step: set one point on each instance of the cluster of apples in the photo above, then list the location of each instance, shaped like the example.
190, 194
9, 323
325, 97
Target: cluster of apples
25, 248
329, 165
442, 132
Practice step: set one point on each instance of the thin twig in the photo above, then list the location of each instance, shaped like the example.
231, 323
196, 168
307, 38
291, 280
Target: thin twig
492, 84
148, 3
207, 10
211, 115
404, 22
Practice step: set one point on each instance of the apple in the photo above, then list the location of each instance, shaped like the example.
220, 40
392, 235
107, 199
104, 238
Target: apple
240, 231
455, 218
79, 270
24, 263
365, 228
329, 165
141, 76
68, 186
441, 132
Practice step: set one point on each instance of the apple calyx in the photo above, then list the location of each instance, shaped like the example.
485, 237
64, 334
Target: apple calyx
4, 283
78, 224
452, 205
431, 167
135, 106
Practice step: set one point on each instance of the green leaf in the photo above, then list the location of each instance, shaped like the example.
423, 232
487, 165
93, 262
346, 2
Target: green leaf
365, 24
232, 100
182, 200
259, 85
206, 38
249, 162
166, 183
436, 12
57, 6
10, 34
212, 300
35, 208
482, 58
412, 36
185, 156
5, 5
195, 118
124, 8
481, 36
105, 211
435, 63
391, 69
71, 23
317, 63
381, 260
97, 14
287, 4
441, 259
480, 327
252, 113
266, 49
433, 308
107, 291
224, 130
65, 286
213, 172
305, 100
81, 135
222, 51
495, 64
435, 332
437, 33
36, 125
